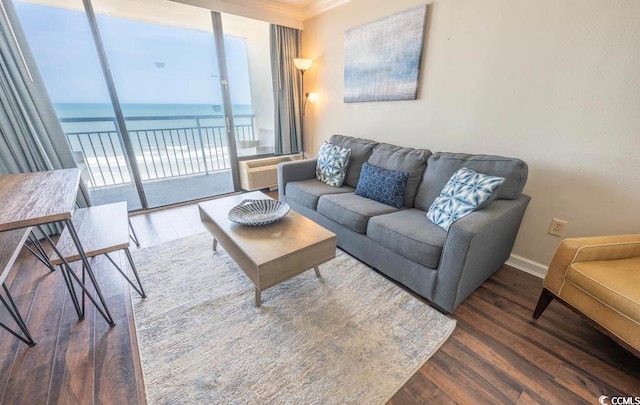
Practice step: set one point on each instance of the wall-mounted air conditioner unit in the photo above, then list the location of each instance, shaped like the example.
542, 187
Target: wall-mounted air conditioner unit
262, 173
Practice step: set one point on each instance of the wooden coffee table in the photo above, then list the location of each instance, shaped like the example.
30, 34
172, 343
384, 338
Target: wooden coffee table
272, 253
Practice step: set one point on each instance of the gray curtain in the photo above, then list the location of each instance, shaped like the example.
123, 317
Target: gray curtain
31, 138
285, 45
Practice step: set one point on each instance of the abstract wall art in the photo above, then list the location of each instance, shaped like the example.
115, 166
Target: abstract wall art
382, 58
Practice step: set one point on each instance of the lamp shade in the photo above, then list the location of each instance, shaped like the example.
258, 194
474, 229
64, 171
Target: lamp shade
302, 64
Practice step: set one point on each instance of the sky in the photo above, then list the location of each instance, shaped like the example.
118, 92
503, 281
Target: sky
149, 63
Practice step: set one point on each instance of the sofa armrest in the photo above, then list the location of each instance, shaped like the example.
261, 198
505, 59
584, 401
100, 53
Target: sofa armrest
588, 249
296, 170
476, 246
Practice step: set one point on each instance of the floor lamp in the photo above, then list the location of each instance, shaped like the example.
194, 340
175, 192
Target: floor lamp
302, 65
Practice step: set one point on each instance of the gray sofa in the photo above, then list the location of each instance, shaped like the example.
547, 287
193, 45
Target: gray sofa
444, 267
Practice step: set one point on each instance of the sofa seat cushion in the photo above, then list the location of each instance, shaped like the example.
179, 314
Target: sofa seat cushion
615, 283
308, 192
410, 234
351, 210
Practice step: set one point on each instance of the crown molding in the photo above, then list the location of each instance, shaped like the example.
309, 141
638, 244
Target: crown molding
320, 6
300, 13
270, 7
260, 10
268, 10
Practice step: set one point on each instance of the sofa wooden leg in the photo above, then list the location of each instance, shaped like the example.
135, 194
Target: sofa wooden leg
543, 302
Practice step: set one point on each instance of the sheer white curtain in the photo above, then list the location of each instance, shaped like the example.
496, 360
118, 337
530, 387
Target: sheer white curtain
287, 92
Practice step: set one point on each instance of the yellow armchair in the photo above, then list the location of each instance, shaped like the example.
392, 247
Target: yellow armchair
599, 278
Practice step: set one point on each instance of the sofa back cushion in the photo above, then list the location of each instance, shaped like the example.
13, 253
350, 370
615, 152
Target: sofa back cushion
442, 165
360, 151
412, 161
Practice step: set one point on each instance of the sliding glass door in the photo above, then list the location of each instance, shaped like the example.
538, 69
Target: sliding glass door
155, 101
163, 61
60, 39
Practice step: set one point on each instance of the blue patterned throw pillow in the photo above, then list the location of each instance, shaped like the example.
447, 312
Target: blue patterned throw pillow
331, 167
382, 185
465, 191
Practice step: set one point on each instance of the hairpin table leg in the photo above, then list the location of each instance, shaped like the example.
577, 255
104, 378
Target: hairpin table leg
15, 314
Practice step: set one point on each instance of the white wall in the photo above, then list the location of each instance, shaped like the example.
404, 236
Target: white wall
553, 82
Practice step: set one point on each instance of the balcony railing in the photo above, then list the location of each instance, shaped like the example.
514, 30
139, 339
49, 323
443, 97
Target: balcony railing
164, 147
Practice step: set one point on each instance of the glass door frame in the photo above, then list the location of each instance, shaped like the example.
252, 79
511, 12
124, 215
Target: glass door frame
121, 126
218, 35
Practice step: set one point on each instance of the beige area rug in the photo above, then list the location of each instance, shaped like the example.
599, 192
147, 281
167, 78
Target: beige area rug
349, 337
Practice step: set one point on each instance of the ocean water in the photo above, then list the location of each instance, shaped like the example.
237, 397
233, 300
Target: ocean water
104, 110
181, 116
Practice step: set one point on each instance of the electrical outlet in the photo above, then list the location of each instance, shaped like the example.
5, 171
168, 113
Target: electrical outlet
557, 227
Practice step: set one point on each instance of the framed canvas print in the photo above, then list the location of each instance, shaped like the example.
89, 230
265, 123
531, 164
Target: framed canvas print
382, 58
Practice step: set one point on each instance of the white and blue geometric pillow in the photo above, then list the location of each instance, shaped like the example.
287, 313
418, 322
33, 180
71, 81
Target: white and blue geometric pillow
465, 191
331, 167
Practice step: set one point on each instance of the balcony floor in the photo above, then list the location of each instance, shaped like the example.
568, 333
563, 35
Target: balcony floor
167, 191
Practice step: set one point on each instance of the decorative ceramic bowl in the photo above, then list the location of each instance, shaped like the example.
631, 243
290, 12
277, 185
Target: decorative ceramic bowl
258, 212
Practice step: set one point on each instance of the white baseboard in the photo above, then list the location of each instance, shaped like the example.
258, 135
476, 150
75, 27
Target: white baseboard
526, 265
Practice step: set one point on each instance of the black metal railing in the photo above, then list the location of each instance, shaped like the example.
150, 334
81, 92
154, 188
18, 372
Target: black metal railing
164, 146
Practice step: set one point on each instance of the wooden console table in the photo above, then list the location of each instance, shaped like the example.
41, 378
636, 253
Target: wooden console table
40, 198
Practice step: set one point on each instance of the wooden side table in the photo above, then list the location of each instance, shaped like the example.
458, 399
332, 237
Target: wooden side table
39, 198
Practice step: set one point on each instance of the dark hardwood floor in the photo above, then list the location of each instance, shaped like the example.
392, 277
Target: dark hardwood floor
497, 354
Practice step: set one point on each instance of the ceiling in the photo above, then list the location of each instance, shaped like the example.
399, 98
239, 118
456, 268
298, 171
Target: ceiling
299, 9
284, 12
297, 4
